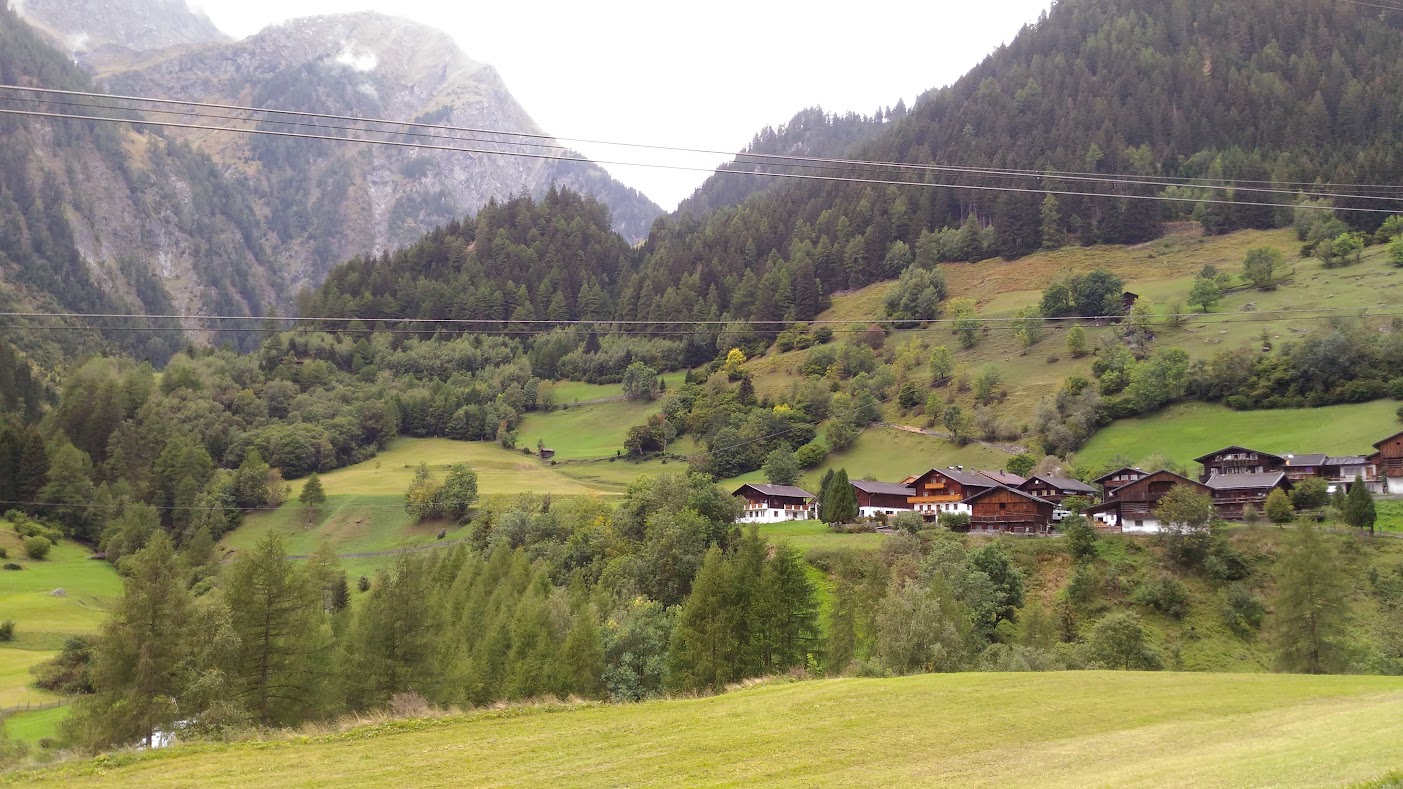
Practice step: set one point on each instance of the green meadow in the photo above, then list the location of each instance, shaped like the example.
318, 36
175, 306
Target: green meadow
1057, 729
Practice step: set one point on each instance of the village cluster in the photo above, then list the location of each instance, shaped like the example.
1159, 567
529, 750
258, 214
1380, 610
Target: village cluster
1124, 500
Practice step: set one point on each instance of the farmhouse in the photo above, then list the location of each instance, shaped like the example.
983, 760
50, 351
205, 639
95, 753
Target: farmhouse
1233, 492
1114, 479
1344, 469
945, 490
1130, 507
1055, 489
1388, 462
1299, 467
881, 498
1004, 509
1239, 460
775, 503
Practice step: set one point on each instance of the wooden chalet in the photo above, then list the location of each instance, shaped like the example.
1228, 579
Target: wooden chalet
1005, 478
1299, 467
1130, 507
1343, 469
882, 498
1005, 509
1115, 479
1232, 493
1388, 461
945, 490
1239, 460
775, 503
1056, 489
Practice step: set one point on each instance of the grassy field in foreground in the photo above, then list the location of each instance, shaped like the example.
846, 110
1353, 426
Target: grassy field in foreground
1046, 730
1188, 430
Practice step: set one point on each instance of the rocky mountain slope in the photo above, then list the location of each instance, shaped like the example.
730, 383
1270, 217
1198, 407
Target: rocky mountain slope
237, 224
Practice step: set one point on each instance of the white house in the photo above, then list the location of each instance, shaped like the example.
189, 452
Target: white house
776, 503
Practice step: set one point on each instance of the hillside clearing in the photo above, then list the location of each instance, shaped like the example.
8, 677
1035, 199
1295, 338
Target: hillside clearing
1048, 730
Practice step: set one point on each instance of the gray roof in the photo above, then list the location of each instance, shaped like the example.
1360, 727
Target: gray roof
777, 490
1346, 460
891, 488
1305, 460
1004, 477
971, 478
1063, 483
1245, 481
986, 492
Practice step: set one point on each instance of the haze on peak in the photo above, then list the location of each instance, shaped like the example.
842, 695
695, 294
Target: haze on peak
697, 76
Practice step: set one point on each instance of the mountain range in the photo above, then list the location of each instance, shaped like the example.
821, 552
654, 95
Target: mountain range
227, 223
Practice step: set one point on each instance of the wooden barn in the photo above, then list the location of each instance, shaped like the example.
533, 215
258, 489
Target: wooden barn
1239, 460
945, 490
1130, 508
1007, 510
1232, 493
881, 498
1115, 479
1056, 489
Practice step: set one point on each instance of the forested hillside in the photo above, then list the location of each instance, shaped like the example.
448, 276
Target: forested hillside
1284, 91
810, 133
105, 218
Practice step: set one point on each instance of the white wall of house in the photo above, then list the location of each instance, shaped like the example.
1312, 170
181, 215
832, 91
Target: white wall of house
773, 515
1142, 526
872, 512
936, 509
1392, 485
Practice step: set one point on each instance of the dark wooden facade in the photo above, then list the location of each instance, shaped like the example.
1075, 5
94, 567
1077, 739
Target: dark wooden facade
1388, 456
1056, 489
1239, 460
1004, 509
1115, 479
940, 490
1132, 506
1233, 493
882, 495
1299, 467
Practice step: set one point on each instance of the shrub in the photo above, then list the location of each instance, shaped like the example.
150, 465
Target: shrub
12, 566
36, 547
1166, 595
1242, 610
4, 554
1310, 493
954, 521
810, 455
909, 522
1118, 640
7, 630
363, 584
1081, 537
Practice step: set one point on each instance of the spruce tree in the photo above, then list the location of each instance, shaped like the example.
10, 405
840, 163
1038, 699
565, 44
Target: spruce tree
391, 642
313, 496
1359, 507
705, 649
1312, 606
843, 505
825, 488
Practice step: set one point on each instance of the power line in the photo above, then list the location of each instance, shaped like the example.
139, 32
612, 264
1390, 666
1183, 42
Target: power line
806, 162
649, 165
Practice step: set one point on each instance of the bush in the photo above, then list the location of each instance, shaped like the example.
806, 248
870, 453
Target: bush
1081, 537
810, 455
1166, 595
1242, 610
954, 521
4, 554
12, 566
36, 547
7, 630
363, 584
909, 522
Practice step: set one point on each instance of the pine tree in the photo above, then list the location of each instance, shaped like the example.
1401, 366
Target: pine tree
705, 650
842, 626
582, 657
313, 496
788, 599
1312, 606
1053, 236
391, 643
277, 615
825, 491
70, 491
843, 506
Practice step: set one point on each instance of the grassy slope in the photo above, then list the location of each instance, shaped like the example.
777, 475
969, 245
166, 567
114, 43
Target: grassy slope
43, 620
1048, 730
1161, 271
587, 431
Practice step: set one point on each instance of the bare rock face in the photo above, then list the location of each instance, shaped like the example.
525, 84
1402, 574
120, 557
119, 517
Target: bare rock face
84, 27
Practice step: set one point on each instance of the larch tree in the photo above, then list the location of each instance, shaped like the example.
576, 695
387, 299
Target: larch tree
1312, 610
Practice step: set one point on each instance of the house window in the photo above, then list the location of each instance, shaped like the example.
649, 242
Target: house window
1139, 523
1003, 506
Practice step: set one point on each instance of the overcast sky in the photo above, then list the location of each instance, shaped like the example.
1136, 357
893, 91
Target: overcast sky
695, 75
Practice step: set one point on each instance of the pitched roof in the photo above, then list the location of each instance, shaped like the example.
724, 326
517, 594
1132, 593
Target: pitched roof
1346, 460
971, 479
776, 490
890, 488
1295, 461
1210, 455
1245, 481
987, 491
1110, 474
1004, 478
1178, 480
1063, 483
